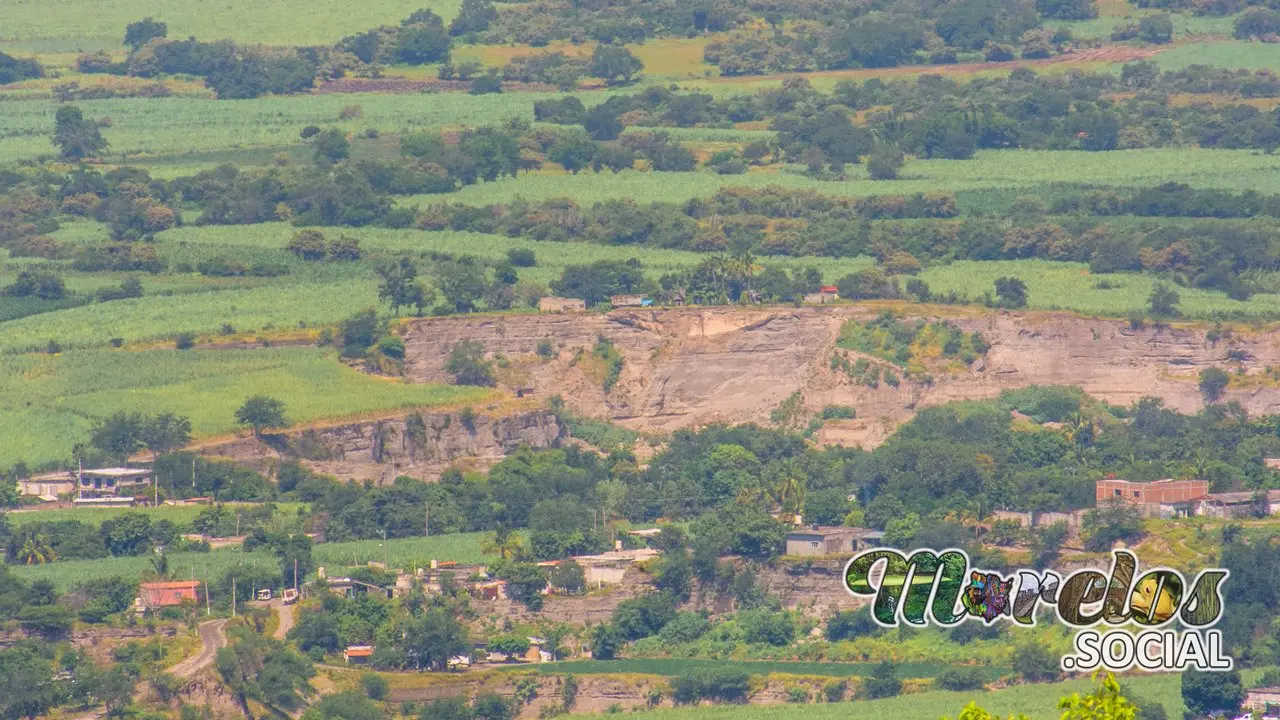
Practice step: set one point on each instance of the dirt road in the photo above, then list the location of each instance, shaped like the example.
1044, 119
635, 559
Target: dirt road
212, 637
288, 618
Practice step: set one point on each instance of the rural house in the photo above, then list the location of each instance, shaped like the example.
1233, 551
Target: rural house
826, 294
1263, 699
831, 540
1239, 504
357, 654
156, 595
1162, 498
48, 486
113, 482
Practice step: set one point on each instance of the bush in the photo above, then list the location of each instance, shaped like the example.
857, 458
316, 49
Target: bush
883, 683
960, 678
850, 624
375, 686
763, 626
521, 257
184, 341
719, 683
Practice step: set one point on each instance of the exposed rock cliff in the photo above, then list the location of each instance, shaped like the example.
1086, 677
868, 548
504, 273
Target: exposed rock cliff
418, 445
685, 367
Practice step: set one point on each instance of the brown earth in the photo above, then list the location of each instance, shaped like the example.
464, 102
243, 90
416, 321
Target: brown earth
693, 366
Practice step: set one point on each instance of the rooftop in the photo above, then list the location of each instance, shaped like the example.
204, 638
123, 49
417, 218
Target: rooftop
174, 585
116, 472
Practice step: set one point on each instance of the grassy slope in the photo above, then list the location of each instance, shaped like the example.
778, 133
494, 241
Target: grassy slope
77, 25
49, 402
181, 515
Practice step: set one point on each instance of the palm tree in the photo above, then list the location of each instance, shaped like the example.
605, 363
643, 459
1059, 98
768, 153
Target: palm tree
1080, 432
790, 493
503, 543
747, 263
36, 550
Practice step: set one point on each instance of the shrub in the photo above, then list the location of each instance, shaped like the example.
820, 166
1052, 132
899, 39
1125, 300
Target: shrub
184, 341
960, 678
375, 686
716, 683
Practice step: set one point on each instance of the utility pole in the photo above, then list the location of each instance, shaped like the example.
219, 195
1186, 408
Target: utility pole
193, 471
233, 596
207, 609
386, 563
427, 529
295, 574
237, 524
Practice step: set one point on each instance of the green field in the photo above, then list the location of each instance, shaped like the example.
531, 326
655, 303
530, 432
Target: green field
1231, 54
48, 403
1039, 702
180, 515
53, 26
405, 553
681, 666
1069, 286
1026, 170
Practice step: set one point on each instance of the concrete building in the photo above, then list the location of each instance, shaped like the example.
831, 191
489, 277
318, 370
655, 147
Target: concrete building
831, 540
1264, 699
48, 486
608, 568
561, 305
821, 297
155, 595
113, 482
1239, 504
1161, 498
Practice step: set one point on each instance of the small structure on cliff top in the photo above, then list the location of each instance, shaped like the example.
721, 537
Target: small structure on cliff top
831, 540
561, 304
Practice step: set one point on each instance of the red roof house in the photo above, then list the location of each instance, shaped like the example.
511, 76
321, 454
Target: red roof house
167, 594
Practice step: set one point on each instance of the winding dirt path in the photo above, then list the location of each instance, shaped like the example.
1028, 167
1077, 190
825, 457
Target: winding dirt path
213, 637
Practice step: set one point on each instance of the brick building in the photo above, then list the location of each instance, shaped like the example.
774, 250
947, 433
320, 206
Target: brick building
1161, 498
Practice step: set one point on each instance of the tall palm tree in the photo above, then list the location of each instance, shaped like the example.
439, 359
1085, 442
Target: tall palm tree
504, 544
36, 550
1080, 432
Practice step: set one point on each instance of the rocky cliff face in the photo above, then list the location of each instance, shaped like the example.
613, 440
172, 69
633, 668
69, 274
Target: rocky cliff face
686, 367
419, 445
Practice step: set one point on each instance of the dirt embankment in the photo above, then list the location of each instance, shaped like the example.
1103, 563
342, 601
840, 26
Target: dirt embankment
687, 367
419, 445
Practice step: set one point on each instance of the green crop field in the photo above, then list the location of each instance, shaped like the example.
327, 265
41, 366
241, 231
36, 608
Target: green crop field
47, 26
1070, 286
180, 515
681, 666
48, 403
1230, 54
1026, 170
405, 553
1039, 702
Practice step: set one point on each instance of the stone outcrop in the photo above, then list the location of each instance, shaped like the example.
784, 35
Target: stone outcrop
418, 445
691, 366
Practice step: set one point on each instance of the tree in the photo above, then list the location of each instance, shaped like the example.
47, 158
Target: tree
261, 412
1035, 663
1011, 292
462, 283
492, 707
568, 576
119, 435
165, 433
1067, 9
419, 44
467, 364
331, 147
262, 669
308, 245
1104, 703
614, 64
601, 122
397, 283
884, 162
137, 34
26, 689
573, 150
473, 16
1156, 29
349, 705
1110, 523
884, 682
1213, 381
512, 645
76, 136
126, 535
35, 549
525, 583
1207, 692
1163, 301
1046, 543
114, 689
454, 708
605, 642
432, 639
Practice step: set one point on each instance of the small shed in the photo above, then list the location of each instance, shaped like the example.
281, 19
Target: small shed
1264, 699
357, 654
821, 297
561, 305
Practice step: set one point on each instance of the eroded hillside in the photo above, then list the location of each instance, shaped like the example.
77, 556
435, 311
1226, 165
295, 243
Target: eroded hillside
686, 367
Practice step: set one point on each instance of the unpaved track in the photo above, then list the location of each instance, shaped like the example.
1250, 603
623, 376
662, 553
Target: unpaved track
213, 637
